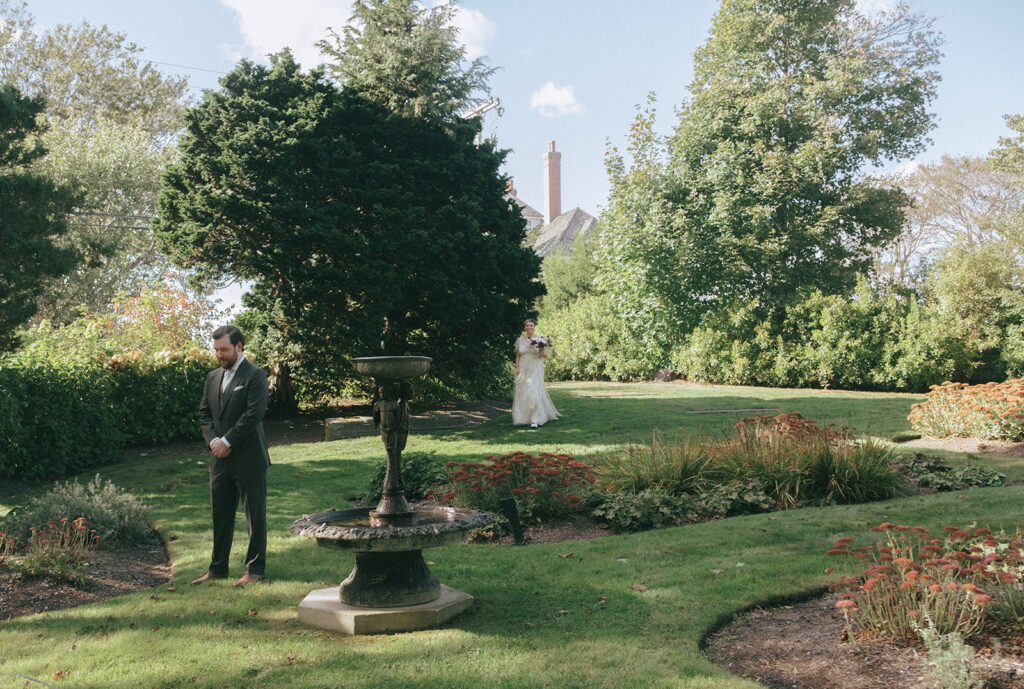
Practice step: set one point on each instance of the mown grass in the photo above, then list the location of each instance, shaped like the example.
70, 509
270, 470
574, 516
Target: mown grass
621, 611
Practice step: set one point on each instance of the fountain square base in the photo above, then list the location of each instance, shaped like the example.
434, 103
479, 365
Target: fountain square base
323, 608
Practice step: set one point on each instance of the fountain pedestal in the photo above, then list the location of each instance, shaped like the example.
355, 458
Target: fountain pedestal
390, 588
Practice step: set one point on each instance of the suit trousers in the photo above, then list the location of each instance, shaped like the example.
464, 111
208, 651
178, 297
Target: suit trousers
226, 489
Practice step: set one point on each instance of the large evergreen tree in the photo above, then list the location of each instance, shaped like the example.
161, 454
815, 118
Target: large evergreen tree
372, 231
407, 59
764, 193
33, 214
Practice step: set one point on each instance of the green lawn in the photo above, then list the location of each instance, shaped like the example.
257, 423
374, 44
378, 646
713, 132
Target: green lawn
540, 619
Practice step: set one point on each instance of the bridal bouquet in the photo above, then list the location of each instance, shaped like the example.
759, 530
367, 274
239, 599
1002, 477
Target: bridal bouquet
540, 342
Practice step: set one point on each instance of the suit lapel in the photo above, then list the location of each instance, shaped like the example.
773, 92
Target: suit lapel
236, 380
215, 395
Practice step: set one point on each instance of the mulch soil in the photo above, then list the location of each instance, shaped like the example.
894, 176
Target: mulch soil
804, 646
111, 573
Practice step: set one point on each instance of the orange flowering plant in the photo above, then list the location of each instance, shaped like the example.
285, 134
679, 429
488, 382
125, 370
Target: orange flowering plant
58, 550
994, 411
544, 486
957, 581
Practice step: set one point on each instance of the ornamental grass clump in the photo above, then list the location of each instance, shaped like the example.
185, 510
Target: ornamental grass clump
544, 486
910, 577
675, 468
993, 411
796, 462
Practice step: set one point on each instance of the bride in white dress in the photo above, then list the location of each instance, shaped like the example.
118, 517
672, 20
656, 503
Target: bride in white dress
531, 404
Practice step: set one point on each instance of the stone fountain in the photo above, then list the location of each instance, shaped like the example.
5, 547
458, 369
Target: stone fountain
390, 588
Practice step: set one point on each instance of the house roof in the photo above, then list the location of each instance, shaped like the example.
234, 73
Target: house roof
560, 234
528, 211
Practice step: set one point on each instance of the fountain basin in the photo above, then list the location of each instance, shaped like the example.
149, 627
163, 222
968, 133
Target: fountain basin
392, 367
430, 526
390, 571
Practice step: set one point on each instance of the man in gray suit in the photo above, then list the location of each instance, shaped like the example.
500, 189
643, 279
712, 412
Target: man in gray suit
231, 415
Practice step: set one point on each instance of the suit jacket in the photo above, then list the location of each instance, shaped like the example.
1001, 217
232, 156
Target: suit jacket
237, 416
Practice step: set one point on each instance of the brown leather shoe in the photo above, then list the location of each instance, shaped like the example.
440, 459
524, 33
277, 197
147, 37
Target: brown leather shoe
207, 577
248, 579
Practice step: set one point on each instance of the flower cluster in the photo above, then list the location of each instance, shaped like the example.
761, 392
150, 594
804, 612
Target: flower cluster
59, 550
7, 545
911, 576
791, 426
994, 411
544, 486
540, 342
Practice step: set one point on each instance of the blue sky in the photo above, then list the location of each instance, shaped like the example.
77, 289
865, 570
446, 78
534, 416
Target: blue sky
569, 70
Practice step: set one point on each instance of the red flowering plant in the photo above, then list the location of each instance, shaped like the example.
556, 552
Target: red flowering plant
994, 411
7, 545
910, 577
59, 551
544, 486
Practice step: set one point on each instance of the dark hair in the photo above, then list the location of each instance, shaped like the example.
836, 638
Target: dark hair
529, 320
231, 331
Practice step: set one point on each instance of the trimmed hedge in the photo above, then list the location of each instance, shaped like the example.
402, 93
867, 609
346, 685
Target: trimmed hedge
57, 421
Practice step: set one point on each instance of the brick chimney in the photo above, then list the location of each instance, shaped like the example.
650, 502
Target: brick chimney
510, 188
553, 183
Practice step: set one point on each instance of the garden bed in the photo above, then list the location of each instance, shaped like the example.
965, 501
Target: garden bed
114, 572
801, 646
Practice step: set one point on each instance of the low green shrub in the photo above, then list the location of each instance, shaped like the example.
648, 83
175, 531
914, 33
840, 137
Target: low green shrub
653, 508
734, 498
949, 662
116, 515
647, 509
932, 472
421, 471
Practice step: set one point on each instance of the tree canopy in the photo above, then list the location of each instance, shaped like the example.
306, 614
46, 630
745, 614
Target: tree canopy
406, 58
373, 232
112, 121
761, 192
33, 214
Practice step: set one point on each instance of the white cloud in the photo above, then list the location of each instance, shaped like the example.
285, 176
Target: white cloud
552, 101
475, 29
270, 25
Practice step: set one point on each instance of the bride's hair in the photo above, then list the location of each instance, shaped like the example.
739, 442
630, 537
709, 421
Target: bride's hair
529, 320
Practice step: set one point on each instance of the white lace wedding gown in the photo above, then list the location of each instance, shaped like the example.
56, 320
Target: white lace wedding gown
531, 404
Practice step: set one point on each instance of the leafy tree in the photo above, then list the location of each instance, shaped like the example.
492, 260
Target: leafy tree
33, 214
375, 233
1009, 156
406, 59
568, 277
112, 121
764, 193
957, 202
